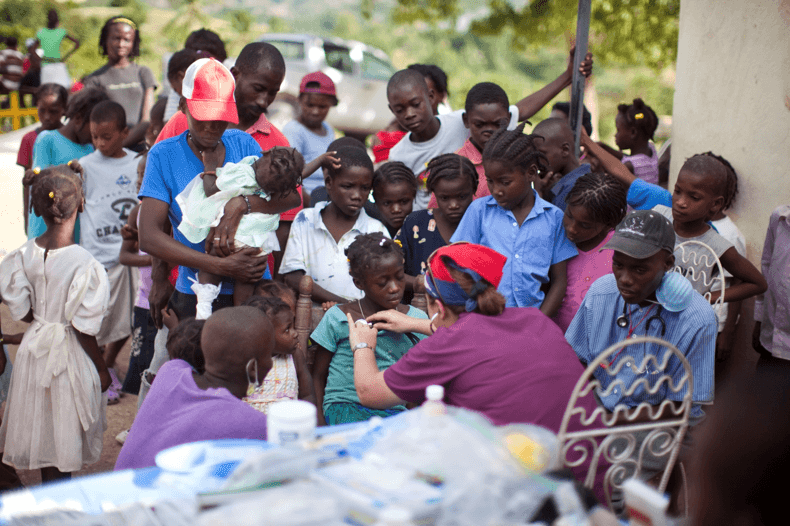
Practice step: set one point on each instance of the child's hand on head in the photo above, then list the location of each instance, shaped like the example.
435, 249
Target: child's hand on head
328, 160
169, 318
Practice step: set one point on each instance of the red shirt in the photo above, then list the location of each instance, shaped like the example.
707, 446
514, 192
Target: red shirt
25, 156
264, 132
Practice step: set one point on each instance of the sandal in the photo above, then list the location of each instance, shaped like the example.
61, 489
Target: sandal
116, 384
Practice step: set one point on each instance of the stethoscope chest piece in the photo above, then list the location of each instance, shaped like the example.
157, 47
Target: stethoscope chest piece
622, 321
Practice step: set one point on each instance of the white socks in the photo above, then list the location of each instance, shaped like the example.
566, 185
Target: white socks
206, 294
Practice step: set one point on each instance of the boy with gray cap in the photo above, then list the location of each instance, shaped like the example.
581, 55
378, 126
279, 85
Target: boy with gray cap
643, 297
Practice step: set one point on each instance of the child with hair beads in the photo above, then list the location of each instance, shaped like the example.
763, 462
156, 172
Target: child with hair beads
54, 417
283, 381
636, 124
51, 106
394, 189
487, 110
310, 133
595, 206
376, 267
320, 235
143, 328
452, 180
516, 222
276, 173
59, 146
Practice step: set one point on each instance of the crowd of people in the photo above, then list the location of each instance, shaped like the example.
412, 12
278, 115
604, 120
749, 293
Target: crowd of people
188, 224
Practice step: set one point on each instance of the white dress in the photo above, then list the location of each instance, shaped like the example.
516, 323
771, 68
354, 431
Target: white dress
55, 413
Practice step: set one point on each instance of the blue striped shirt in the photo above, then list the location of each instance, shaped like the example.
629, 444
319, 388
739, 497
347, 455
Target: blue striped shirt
692, 331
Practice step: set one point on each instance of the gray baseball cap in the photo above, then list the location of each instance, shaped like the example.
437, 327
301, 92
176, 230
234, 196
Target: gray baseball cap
641, 234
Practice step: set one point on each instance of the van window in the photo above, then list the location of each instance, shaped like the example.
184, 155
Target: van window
339, 57
374, 68
290, 50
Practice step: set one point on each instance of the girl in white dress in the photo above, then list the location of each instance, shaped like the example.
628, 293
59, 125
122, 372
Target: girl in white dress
277, 173
55, 414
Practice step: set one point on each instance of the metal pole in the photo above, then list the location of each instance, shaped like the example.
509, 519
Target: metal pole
577, 89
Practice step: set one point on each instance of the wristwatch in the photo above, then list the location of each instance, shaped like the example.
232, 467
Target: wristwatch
361, 345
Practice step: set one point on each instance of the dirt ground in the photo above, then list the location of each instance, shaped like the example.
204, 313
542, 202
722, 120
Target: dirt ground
119, 416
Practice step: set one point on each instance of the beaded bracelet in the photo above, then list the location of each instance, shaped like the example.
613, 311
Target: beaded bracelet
249, 206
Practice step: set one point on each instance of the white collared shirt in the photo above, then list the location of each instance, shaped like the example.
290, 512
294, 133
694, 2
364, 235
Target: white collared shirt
312, 248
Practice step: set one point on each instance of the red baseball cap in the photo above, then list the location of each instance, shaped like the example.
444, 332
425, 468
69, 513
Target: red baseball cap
486, 262
325, 84
208, 88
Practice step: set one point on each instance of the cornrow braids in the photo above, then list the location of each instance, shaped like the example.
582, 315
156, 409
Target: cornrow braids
285, 171
515, 149
183, 343
366, 249
641, 116
271, 306
602, 195
450, 166
105, 34
56, 193
393, 172
731, 189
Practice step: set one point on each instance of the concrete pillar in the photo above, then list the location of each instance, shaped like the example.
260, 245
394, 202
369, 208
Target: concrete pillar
732, 97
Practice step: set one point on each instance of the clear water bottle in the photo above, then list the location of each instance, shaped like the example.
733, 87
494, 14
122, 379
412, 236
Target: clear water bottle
434, 401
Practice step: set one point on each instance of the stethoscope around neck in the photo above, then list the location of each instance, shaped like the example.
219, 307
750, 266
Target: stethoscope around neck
623, 321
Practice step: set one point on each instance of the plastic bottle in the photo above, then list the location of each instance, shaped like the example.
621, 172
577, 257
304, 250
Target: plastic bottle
395, 516
434, 401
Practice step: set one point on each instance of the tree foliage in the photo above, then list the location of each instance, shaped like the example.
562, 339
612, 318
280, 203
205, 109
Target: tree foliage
621, 31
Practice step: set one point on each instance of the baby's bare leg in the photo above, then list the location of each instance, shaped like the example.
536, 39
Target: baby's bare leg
242, 292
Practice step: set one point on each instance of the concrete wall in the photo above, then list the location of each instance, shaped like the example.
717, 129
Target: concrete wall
732, 97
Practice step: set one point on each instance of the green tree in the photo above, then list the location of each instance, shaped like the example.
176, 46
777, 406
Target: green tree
621, 31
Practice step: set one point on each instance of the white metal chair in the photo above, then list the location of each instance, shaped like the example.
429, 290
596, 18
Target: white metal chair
691, 254
597, 438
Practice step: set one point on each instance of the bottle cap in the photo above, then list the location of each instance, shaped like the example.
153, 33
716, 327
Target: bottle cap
434, 393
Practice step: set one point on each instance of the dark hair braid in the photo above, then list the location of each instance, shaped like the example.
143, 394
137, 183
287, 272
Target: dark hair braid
105, 34
366, 249
56, 193
82, 103
641, 116
515, 149
271, 306
183, 343
731, 189
450, 166
391, 173
602, 195
285, 171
